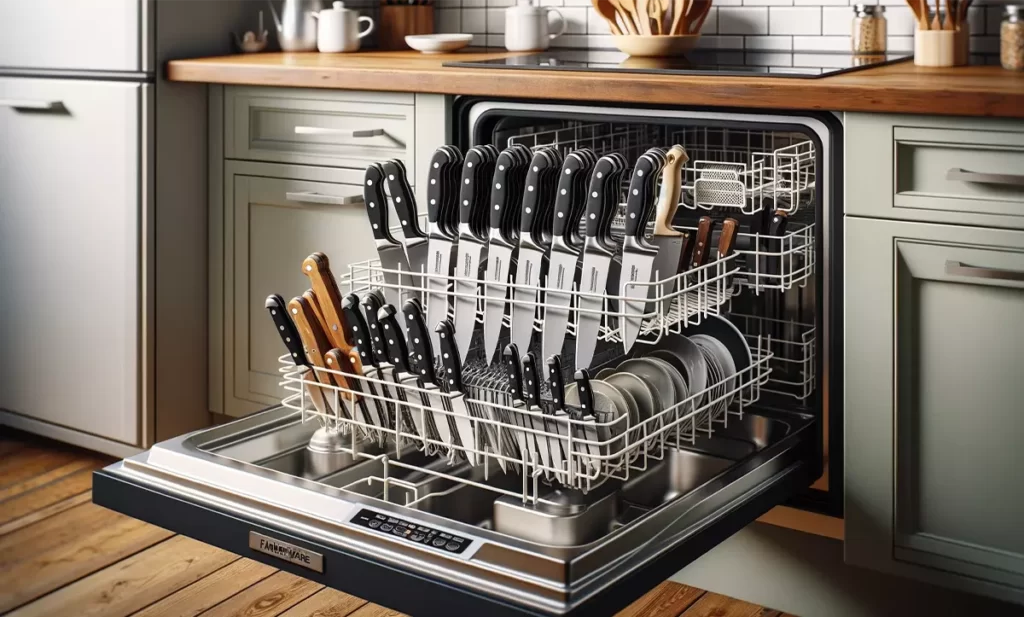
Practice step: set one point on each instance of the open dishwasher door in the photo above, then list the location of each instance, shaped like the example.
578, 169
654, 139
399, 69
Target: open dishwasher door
432, 525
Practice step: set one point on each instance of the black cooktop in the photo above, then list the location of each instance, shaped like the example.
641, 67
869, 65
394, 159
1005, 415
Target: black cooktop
806, 64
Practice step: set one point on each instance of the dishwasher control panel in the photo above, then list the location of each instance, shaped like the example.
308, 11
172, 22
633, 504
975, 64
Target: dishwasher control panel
392, 526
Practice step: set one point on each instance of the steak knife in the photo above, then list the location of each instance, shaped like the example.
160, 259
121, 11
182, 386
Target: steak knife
404, 201
441, 239
531, 383
389, 250
525, 439
359, 335
588, 415
558, 428
452, 383
638, 255
472, 246
398, 353
422, 356
290, 335
503, 207
372, 303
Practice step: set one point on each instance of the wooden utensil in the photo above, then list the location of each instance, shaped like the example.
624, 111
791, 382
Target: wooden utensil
936, 24
664, 6
318, 269
605, 9
625, 15
699, 12
678, 13
630, 7
920, 9
654, 16
643, 14
950, 23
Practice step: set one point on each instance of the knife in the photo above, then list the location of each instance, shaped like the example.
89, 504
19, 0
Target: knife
503, 207
702, 244
531, 384
773, 247
422, 356
587, 414
318, 314
286, 328
441, 239
315, 344
597, 258
359, 336
727, 238
398, 353
524, 438
559, 427
389, 250
472, 245
638, 255
372, 303
402, 196
452, 383
325, 288
566, 245
670, 242
337, 360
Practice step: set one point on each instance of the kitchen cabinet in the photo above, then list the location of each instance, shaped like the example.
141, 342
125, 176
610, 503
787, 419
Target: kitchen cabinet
934, 408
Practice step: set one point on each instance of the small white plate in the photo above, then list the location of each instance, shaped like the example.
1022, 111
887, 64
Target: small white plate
438, 43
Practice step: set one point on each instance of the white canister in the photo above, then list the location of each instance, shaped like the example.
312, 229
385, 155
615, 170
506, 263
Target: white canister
527, 27
339, 29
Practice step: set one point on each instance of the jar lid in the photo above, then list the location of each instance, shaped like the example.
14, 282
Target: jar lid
868, 10
1013, 12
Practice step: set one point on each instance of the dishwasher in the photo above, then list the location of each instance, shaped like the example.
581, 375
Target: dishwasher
476, 498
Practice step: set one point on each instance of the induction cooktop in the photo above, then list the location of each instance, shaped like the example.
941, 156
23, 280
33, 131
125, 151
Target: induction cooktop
809, 64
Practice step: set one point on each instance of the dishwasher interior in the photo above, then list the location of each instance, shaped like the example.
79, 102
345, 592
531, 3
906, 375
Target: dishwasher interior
550, 513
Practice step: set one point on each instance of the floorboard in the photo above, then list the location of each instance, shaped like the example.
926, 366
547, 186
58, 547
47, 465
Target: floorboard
70, 557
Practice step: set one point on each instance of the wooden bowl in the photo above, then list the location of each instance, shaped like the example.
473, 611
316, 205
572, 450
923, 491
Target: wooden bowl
643, 45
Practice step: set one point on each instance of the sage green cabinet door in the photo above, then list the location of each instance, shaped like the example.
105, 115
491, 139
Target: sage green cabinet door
273, 224
934, 410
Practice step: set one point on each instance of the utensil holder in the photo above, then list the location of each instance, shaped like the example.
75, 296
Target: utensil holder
940, 48
399, 20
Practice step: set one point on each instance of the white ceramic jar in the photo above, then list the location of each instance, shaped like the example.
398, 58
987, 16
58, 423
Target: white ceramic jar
339, 29
527, 27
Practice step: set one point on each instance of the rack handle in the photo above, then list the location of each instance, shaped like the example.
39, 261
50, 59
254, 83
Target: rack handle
318, 130
312, 197
963, 175
956, 268
31, 104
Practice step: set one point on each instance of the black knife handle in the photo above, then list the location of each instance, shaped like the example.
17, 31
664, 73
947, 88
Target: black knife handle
556, 382
499, 189
531, 195
562, 219
357, 331
286, 328
391, 332
450, 359
638, 196
376, 203
402, 198
531, 380
585, 393
471, 167
435, 182
599, 178
510, 356
372, 305
421, 353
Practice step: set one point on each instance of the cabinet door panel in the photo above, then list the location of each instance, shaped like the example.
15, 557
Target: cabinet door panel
935, 404
271, 234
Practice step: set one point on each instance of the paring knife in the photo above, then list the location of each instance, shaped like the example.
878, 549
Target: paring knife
441, 237
472, 243
390, 251
524, 438
670, 242
566, 246
560, 425
422, 356
358, 333
398, 353
531, 384
372, 303
451, 381
290, 335
637, 254
404, 201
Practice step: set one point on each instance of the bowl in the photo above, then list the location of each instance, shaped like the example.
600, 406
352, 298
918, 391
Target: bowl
644, 45
438, 43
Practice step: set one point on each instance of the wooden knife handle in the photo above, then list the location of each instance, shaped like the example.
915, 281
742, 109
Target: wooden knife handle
671, 185
727, 239
318, 269
314, 340
318, 314
702, 244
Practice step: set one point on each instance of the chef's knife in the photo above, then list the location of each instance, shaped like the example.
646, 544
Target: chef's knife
398, 353
472, 247
531, 384
637, 254
389, 250
502, 206
441, 239
290, 335
669, 241
358, 333
404, 201
422, 356
318, 269
451, 381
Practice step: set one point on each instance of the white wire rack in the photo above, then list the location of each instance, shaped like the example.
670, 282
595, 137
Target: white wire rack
793, 357
575, 450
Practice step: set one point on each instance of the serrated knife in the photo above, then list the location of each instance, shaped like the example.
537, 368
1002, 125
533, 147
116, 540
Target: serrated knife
390, 251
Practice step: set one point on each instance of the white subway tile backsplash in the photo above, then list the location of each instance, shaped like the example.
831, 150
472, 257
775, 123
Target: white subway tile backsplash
900, 44
595, 23
743, 20
993, 18
551, 3
836, 20
794, 20
900, 21
772, 43
495, 40
448, 4
821, 43
767, 2
495, 21
822, 3
710, 25
500, 3
720, 42
448, 20
474, 21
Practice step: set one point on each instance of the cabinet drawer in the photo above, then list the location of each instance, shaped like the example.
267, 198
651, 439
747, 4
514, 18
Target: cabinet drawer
332, 129
939, 170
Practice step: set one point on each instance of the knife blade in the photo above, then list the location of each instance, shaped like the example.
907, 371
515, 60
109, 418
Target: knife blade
337, 360
358, 334
531, 384
404, 200
597, 257
390, 252
398, 353
586, 415
441, 239
559, 425
452, 384
472, 246
290, 335
637, 254
503, 207
525, 439
669, 241
422, 356
372, 303
566, 246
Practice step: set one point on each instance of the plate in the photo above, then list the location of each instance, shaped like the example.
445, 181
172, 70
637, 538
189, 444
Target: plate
729, 335
438, 43
655, 374
681, 391
648, 400
725, 362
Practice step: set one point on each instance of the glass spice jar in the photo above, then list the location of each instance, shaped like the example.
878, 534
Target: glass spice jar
869, 29
1011, 38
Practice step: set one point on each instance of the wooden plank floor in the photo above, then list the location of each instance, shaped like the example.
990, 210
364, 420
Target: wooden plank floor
62, 555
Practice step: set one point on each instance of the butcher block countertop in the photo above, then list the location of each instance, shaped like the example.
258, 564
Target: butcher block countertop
894, 88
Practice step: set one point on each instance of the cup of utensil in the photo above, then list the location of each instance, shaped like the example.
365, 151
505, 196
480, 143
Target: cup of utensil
942, 37
646, 28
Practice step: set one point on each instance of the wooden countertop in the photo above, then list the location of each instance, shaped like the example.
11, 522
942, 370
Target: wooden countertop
896, 88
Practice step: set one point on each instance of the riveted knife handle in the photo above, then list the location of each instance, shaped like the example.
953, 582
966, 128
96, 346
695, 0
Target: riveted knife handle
585, 393
337, 360
402, 197
314, 340
394, 338
556, 382
471, 176
531, 380
450, 360
671, 185
286, 328
372, 305
435, 182
562, 223
421, 353
727, 239
318, 313
499, 190
702, 244
318, 269
510, 357
356, 330
636, 198
595, 194
376, 203
530, 213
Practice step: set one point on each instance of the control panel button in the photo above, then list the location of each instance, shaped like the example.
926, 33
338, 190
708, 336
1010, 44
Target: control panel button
386, 527
374, 524
438, 542
417, 537
452, 546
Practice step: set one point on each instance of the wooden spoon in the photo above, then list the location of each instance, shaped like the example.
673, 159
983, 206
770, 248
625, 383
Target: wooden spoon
643, 15
638, 23
664, 6
654, 16
678, 12
936, 24
950, 23
605, 9
625, 14
698, 13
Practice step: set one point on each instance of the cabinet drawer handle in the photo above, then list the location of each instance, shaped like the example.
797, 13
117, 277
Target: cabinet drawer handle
311, 197
982, 178
955, 268
33, 105
316, 130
